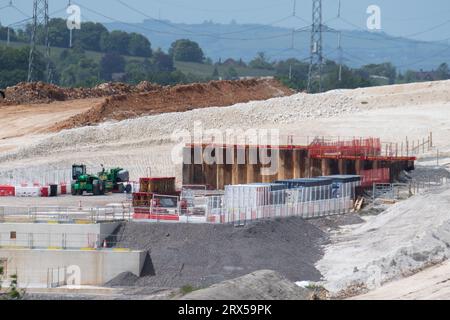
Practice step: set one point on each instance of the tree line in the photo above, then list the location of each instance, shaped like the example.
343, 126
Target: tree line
129, 57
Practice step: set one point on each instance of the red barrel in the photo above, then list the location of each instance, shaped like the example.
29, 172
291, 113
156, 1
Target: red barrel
63, 189
44, 192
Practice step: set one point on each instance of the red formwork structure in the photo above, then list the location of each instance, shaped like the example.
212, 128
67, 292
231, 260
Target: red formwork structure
369, 177
350, 148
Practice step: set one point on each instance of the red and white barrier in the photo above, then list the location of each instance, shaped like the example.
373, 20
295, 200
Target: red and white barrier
7, 191
35, 190
26, 192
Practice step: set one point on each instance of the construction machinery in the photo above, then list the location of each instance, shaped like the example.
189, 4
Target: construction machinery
113, 180
84, 182
116, 180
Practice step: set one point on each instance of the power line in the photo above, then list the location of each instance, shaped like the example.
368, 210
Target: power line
203, 34
316, 58
283, 35
40, 19
197, 9
11, 5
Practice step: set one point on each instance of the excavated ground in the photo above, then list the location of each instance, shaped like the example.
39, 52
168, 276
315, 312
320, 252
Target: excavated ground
121, 101
176, 99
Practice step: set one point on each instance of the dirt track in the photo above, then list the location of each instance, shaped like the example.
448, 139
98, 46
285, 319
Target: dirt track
35, 119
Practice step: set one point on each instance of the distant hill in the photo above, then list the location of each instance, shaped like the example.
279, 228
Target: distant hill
245, 40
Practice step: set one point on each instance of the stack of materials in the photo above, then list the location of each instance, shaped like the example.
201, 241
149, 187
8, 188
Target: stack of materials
307, 190
344, 186
253, 195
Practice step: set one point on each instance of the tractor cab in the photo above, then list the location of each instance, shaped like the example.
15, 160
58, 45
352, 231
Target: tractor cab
78, 171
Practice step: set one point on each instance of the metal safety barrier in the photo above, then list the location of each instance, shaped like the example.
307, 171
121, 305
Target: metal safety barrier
62, 214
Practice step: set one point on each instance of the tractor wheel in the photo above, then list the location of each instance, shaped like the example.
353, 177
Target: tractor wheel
96, 188
128, 188
102, 188
74, 191
80, 192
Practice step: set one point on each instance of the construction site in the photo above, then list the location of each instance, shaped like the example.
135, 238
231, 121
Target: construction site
229, 180
101, 196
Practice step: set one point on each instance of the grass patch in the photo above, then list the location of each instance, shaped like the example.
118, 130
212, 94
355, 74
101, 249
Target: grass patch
184, 290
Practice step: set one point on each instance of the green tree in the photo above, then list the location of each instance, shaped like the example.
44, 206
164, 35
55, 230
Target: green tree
4, 33
58, 35
232, 74
410, 76
139, 46
293, 73
215, 74
116, 42
443, 72
89, 36
111, 63
162, 61
261, 62
138, 71
386, 70
186, 50
14, 66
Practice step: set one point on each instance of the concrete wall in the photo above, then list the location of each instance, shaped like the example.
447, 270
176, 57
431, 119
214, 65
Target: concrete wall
44, 235
37, 268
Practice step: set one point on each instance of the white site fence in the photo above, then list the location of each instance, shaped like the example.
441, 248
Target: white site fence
308, 203
65, 214
306, 210
281, 204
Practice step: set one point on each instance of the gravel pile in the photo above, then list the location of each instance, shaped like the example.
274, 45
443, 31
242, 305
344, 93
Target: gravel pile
259, 285
406, 238
158, 129
40, 92
125, 279
426, 174
201, 255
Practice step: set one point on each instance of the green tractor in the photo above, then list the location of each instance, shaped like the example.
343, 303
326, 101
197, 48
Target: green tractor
114, 180
84, 182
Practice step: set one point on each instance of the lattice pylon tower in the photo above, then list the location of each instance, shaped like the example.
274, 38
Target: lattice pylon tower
39, 36
316, 55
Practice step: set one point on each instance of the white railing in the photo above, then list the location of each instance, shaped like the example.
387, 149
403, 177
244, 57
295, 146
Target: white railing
62, 214
306, 210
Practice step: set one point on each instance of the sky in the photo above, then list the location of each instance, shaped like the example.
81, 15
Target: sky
418, 19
